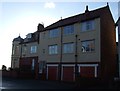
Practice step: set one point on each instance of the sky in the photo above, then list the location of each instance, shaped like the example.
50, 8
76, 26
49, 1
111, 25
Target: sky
22, 17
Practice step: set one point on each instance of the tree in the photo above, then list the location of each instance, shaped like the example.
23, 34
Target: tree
4, 67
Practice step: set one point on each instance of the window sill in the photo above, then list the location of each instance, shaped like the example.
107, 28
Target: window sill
88, 52
52, 54
86, 31
67, 53
65, 35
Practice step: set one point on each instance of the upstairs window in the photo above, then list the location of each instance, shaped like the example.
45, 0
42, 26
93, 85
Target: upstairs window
53, 49
68, 48
29, 35
68, 30
87, 25
33, 49
88, 46
24, 49
16, 50
53, 33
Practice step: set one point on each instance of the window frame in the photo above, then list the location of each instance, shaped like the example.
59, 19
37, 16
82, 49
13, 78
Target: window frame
90, 49
33, 49
53, 33
33, 64
71, 50
53, 49
16, 50
88, 25
68, 30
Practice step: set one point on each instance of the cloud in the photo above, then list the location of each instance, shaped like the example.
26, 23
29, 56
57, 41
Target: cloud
49, 5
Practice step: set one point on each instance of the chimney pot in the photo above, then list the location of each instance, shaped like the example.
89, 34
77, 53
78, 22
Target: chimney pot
86, 9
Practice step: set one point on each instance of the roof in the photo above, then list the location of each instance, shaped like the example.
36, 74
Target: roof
18, 39
79, 18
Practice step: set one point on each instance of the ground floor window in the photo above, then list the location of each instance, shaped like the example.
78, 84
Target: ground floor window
42, 66
33, 64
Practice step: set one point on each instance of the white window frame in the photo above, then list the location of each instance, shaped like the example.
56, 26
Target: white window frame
53, 49
33, 49
84, 50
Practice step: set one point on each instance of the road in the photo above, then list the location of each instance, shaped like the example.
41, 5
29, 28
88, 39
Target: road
38, 85
25, 84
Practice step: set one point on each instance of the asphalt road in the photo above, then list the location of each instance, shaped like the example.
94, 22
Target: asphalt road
9, 84
25, 84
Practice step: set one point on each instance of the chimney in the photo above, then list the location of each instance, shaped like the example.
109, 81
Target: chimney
40, 27
107, 4
86, 9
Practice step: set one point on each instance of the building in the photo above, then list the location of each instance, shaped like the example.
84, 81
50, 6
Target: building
16, 52
82, 45
118, 24
27, 51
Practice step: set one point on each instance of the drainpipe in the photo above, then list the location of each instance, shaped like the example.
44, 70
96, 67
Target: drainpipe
60, 63
76, 58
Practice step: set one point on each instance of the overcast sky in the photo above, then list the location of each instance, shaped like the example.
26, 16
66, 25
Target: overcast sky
23, 17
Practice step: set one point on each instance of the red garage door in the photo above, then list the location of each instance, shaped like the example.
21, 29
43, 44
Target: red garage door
87, 71
68, 73
52, 73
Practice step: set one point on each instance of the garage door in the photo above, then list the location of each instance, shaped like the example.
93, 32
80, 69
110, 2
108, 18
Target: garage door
87, 71
52, 73
68, 73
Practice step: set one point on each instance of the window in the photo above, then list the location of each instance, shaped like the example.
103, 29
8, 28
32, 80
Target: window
29, 35
33, 64
44, 35
24, 49
88, 25
88, 46
33, 49
42, 66
53, 49
68, 48
53, 33
68, 30
16, 50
